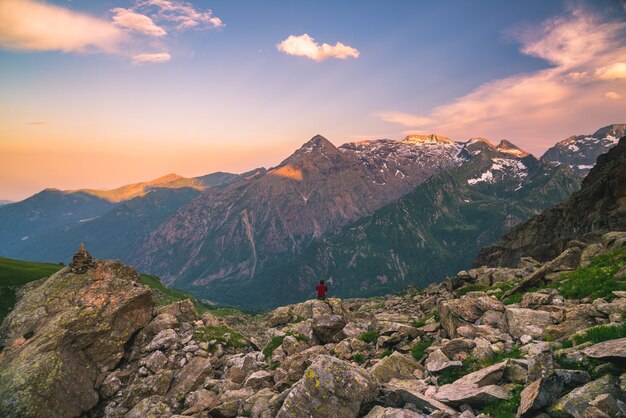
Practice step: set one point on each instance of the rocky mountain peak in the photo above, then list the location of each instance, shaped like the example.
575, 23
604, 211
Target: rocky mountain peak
616, 130
508, 147
430, 139
580, 151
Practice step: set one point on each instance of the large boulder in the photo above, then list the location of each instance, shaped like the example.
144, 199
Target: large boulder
522, 321
608, 350
395, 366
578, 401
459, 394
65, 335
543, 392
329, 388
466, 310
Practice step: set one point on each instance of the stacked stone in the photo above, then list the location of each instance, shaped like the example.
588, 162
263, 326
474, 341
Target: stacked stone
82, 261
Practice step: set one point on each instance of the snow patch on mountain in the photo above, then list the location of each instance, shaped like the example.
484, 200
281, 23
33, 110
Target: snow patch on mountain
506, 166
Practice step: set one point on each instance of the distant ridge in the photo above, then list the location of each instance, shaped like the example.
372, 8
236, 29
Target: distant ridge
599, 207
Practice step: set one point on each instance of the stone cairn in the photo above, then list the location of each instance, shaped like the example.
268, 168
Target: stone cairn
82, 261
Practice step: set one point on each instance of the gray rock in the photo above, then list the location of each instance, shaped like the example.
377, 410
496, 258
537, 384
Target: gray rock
156, 361
329, 388
153, 407
458, 394
437, 362
403, 391
65, 334
576, 403
521, 321
543, 392
608, 350
380, 412
395, 366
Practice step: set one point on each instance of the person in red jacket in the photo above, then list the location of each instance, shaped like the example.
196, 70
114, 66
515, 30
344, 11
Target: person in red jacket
321, 290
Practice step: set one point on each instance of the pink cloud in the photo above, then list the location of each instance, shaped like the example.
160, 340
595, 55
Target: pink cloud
612, 95
305, 46
184, 15
155, 58
33, 26
612, 72
535, 109
136, 22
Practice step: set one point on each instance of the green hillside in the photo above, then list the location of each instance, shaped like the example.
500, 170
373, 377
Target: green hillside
16, 273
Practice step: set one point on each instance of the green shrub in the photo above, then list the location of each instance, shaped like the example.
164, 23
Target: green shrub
419, 349
223, 335
369, 336
506, 408
599, 334
449, 375
358, 358
386, 353
274, 343
422, 321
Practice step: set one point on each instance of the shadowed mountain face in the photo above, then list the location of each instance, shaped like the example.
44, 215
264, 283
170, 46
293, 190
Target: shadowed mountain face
24, 222
231, 234
580, 152
599, 207
431, 232
48, 225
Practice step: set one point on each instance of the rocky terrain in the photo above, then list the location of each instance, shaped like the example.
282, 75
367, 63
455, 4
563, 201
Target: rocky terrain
581, 151
488, 342
599, 207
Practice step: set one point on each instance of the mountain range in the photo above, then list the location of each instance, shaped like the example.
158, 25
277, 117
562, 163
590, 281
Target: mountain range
370, 216
581, 151
599, 207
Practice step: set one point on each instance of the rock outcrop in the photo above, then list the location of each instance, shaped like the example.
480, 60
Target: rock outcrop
66, 334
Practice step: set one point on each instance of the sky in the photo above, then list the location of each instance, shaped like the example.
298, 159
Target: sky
100, 93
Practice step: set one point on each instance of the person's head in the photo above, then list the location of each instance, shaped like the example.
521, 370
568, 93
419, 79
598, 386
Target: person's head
322, 281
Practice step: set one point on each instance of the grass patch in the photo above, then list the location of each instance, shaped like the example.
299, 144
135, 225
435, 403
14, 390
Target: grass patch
15, 273
358, 358
369, 337
221, 335
595, 281
587, 364
386, 353
18, 272
419, 349
599, 334
275, 342
422, 321
514, 298
469, 365
506, 408
167, 295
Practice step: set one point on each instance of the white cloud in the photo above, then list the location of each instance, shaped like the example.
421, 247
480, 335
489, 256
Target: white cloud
156, 58
612, 72
305, 46
182, 14
537, 108
33, 26
128, 19
612, 95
